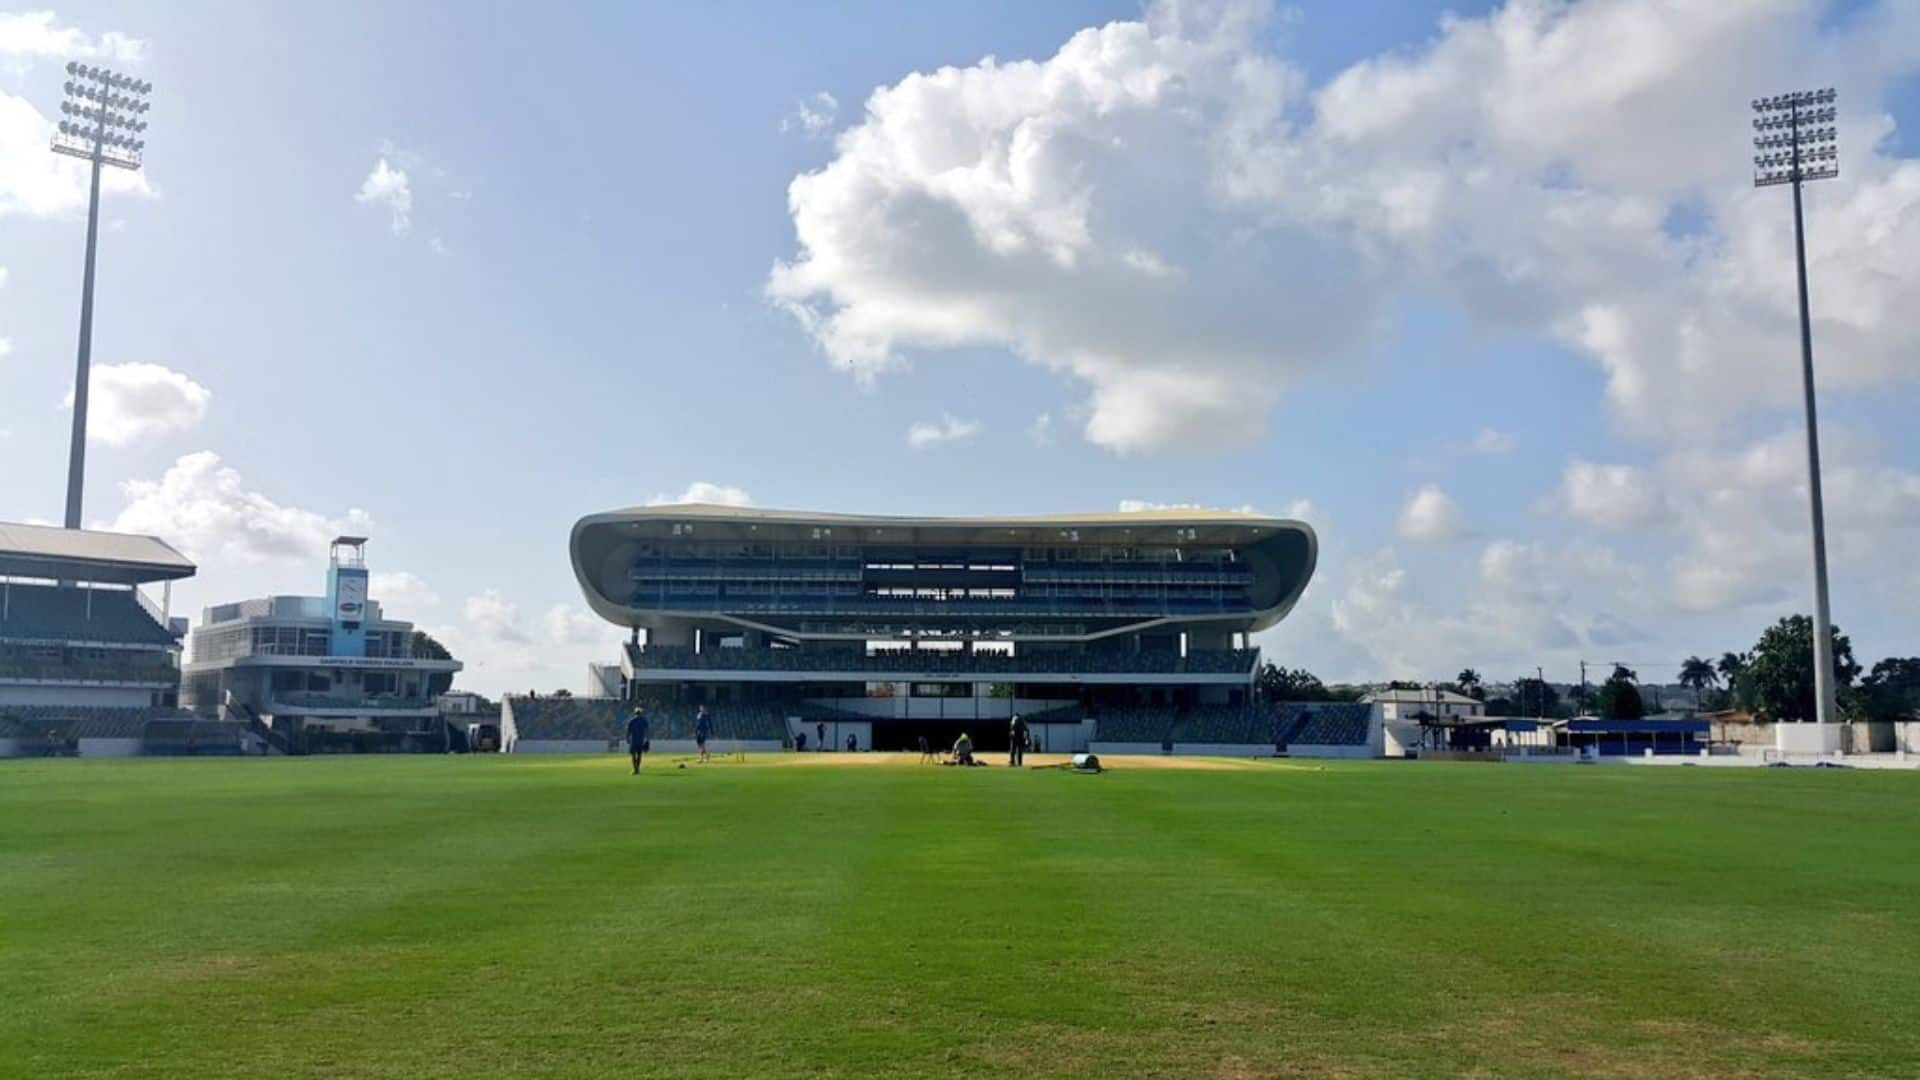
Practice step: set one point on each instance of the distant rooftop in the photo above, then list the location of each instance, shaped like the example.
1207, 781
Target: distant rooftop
44, 551
1419, 697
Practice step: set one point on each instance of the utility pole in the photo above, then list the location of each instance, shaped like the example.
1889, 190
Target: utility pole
104, 127
1540, 699
1795, 141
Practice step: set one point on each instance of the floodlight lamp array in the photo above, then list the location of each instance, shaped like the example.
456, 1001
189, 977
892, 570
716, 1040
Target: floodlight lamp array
105, 117
1795, 139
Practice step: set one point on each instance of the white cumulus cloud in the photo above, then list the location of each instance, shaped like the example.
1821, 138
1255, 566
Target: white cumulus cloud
1610, 496
570, 624
1490, 441
400, 591
496, 619
812, 117
1070, 210
701, 491
1040, 432
1523, 604
129, 402
387, 187
36, 34
1429, 516
1105, 211
1741, 515
947, 429
206, 509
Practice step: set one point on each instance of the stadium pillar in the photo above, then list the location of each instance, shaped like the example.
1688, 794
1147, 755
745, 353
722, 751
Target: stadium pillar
77, 455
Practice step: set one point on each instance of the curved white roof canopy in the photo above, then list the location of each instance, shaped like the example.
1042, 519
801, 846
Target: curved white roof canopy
1280, 553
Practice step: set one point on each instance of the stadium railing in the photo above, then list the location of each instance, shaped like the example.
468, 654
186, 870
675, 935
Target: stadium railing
1199, 662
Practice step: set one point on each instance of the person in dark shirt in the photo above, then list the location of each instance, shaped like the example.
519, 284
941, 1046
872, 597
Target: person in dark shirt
820, 736
853, 743
702, 731
637, 731
1016, 742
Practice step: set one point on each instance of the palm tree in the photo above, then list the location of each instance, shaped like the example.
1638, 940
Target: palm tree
1731, 666
1697, 674
1470, 683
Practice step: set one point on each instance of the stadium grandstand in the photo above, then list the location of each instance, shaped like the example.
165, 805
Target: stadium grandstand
1100, 629
90, 665
319, 674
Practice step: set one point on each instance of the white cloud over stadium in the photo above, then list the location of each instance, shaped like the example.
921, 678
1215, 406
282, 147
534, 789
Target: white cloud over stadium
1103, 211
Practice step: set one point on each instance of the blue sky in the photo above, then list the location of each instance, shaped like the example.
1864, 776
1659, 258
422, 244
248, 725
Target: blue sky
1486, 300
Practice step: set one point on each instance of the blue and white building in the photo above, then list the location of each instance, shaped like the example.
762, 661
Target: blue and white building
321, 673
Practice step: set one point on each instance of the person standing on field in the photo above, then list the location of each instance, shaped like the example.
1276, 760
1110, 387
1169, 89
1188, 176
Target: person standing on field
637, 735
702, 731
1016, 741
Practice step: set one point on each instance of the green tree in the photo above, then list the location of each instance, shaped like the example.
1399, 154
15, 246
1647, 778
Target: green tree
1697, 675
1892, 689
1282, 684
425, 647
1777, 681
1533, 697
1582, 696
1471, 684
1619, 698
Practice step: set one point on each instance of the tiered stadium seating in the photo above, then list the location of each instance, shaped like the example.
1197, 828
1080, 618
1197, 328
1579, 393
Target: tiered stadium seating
606, 718
57, 728
569, 718
132, 666
53, 613
731, 721
185, 734
74, 722
1334, 723
1316, 723
1064, 714
1144, 723
1220, 724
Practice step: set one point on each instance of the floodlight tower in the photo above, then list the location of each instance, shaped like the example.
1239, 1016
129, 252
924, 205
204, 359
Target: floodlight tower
1795, 141
105, 123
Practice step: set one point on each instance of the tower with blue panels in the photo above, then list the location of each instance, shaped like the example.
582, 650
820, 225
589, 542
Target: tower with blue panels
347, 595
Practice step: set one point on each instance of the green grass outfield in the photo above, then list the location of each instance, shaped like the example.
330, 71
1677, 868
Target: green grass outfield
459, 916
